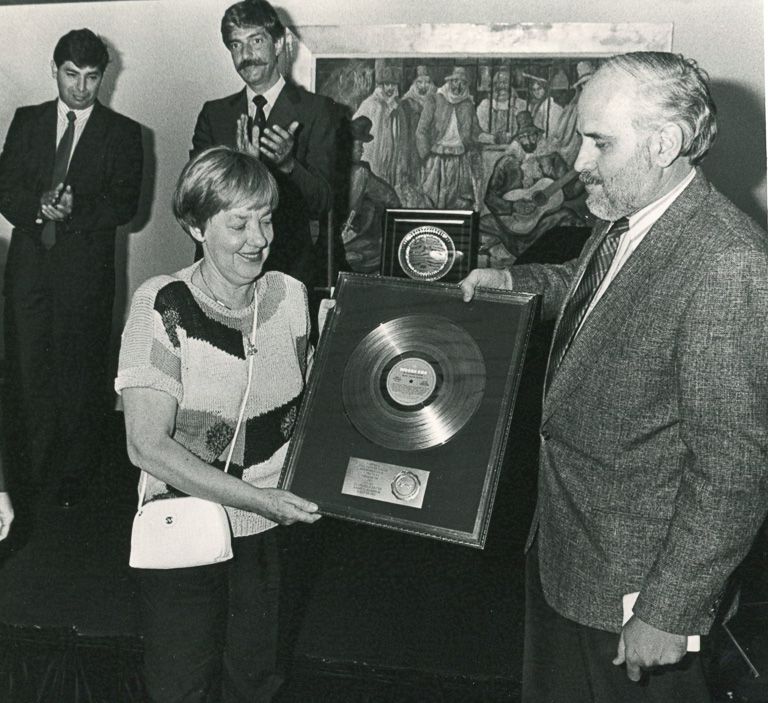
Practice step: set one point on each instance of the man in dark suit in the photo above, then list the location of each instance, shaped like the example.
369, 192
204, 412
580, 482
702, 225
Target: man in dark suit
291, 130
70, 174
653, 478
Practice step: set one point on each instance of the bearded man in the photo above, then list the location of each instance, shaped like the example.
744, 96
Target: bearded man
652, 476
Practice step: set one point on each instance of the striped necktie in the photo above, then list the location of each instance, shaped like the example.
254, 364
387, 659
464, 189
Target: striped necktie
60, 168
578, 304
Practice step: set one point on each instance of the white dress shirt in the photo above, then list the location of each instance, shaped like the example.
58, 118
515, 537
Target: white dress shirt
81, 119
270, 95
639, 225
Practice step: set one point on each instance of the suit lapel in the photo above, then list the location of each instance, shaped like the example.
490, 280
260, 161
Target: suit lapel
224, 119
285, 108
590, 247
238, 104
617, 304
46, 130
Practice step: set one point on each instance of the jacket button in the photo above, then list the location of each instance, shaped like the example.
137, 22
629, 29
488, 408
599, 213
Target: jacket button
545, 435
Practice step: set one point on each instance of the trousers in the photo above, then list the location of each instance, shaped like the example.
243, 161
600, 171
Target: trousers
567, 662
211, 632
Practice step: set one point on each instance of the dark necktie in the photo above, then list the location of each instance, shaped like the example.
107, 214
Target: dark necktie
60, 167
578, 304
260, 119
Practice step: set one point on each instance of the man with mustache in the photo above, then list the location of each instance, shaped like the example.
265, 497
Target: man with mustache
654, 432
292, 130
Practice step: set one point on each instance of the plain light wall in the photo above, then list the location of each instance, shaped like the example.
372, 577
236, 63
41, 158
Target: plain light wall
168, 59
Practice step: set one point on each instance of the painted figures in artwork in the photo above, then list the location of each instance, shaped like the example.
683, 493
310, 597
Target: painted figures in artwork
566, 135
498, 137
445, 138
369, 196
544, 109
496, 113
527, 190
408, 164
378, 108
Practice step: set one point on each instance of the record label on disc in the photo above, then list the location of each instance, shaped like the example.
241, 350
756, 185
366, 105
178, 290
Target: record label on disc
426, 253
411, 381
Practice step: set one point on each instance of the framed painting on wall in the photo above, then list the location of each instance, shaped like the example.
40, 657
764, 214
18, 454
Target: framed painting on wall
477, 117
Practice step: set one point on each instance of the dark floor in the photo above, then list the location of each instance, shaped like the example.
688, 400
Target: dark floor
376, 615
385, 617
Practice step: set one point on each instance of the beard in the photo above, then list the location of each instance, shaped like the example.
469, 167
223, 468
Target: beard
624, 192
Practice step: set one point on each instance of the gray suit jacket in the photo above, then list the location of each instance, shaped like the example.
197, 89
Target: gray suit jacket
654, 434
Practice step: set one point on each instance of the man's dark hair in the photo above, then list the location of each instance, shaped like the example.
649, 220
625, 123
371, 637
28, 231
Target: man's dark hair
83, 48
251, 13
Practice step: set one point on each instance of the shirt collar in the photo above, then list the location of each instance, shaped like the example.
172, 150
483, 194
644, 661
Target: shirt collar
270, 95
80, 115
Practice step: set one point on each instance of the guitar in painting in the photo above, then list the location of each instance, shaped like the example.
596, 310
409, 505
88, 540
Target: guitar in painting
531, 204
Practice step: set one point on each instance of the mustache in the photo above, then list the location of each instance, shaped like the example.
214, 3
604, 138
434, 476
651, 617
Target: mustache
248, 63
589, 179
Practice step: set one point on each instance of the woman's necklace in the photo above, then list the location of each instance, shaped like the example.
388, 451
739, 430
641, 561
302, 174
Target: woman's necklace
249, 343
210, 290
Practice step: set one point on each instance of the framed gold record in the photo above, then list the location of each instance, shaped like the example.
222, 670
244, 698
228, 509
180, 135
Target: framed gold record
407, 411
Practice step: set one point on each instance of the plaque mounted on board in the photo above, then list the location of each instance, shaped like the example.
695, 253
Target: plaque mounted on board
429, 245
407, 411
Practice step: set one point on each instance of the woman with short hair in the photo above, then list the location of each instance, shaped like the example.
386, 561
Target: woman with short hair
210, 632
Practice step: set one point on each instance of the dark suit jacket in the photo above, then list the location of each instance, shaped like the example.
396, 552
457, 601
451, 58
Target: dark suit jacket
654, 433
104, 172
305, 193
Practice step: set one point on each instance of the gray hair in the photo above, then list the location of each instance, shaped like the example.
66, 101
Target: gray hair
672, 89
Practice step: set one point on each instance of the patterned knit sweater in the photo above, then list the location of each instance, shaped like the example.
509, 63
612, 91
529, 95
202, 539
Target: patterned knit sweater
181, 341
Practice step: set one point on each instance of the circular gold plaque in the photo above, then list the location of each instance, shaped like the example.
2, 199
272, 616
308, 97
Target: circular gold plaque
426, 253
406, 485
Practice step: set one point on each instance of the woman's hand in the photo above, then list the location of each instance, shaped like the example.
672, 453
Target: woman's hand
150, 417
286, 508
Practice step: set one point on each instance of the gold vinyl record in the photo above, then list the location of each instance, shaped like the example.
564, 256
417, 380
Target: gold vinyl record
413, 382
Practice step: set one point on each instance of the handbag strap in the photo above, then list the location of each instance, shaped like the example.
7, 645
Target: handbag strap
250, 352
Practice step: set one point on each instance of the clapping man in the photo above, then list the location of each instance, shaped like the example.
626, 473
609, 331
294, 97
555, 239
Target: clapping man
292, 130
70, 174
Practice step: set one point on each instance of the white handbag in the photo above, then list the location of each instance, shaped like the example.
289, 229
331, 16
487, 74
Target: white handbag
174, 533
